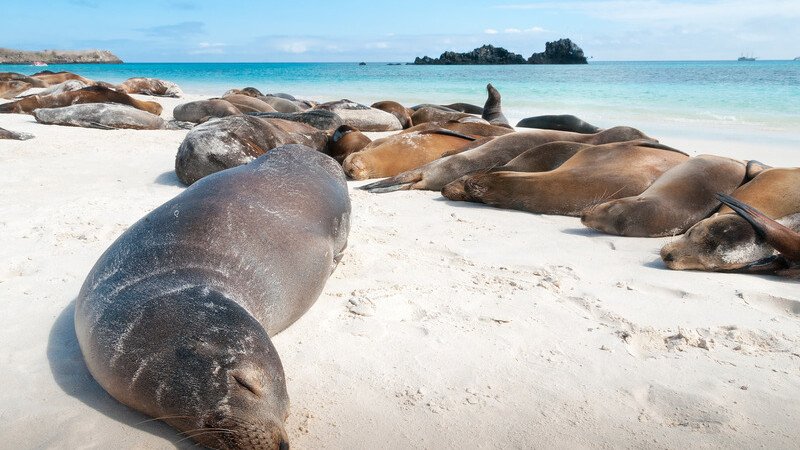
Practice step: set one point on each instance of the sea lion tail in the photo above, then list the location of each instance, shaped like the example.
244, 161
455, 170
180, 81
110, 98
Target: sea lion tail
402, 182
782, 238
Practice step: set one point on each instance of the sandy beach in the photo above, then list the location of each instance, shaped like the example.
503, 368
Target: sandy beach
446, 325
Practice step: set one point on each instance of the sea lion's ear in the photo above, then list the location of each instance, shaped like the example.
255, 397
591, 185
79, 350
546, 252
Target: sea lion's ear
754, 168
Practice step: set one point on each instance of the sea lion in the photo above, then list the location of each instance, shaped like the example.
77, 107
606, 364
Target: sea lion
175, 318
782, 238
492, 111
317, 118
14, 76
563, 122
683, 196
395, 109
151, 86
433, 106
10, 88
91, 94
345, 141
465, 107
362, 117
281, 104
482, 129
591, 176
727, 242
203, 110
60, 88
106, 116
50, 78
247, 104
435, 175
436, 115
251, 91
231, 141
542, 158
6, 134
400, 152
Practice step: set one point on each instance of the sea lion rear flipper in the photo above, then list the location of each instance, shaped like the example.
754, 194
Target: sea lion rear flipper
754, 168
445, 132
401, 182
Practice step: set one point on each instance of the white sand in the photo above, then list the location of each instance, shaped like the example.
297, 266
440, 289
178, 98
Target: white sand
447, 325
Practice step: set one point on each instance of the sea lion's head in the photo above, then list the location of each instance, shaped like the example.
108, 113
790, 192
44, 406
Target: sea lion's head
724, 242
210, 371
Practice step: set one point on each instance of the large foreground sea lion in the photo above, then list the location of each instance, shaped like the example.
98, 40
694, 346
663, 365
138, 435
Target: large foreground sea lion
91, 94
235, 140
107, 116
435, 175
727, 242
593, 175
563, 122
175, 318
683, 196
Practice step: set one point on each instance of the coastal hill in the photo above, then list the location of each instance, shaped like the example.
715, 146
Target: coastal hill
562, 51
9, 56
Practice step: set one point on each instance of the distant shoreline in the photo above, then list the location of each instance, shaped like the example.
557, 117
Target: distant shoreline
23, 57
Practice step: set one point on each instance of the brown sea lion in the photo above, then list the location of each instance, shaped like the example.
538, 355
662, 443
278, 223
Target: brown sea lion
593, 175
435, 175
782, 238
9, 89
14, 76
564, 122
203, 110
50, 78
395, 109
346, 140
727, 242
492, 111
231, 141
395, 154
281, 104
482, 129
151, 86
542, 158
251, 91
175, 318
91, 94
6, 134
683, 196
247, 104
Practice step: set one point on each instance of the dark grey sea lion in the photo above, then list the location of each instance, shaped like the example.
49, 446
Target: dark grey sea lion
317, 118
203, 110
437, 115
6, 134
564, 122
175, 318
102, 115
465, 107
235, 140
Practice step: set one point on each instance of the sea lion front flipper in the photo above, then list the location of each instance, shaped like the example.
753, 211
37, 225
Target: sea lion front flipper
99, 126
782, 238
401, 182
754, 168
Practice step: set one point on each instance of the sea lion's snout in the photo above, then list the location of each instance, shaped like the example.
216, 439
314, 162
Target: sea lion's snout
355, 168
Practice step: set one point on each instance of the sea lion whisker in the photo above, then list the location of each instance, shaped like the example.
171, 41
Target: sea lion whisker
166, 417
202, 434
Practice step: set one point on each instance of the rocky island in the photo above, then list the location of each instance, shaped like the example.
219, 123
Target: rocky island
562, 51
9, 56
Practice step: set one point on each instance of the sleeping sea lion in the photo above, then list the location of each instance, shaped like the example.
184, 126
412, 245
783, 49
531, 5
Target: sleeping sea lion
562, 122
395, 109
203, 110
91, 94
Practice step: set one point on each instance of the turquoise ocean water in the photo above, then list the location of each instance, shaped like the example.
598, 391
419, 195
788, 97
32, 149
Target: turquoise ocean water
714, 95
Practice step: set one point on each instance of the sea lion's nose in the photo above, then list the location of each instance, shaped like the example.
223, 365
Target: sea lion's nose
284, 445
668, 257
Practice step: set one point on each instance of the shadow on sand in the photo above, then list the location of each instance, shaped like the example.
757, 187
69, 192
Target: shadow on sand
72, 375
169, 179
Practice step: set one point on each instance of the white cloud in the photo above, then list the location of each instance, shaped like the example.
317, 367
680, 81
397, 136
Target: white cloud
293, 47
490, 31
209, 48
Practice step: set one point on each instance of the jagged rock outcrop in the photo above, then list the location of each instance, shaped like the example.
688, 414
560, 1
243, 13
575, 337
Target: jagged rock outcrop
562, 51
487, 54
10, 56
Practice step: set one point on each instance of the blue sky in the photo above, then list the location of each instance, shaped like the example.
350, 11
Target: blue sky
240, 30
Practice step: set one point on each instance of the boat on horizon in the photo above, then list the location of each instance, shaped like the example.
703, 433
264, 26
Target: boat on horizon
746, 58
39, 64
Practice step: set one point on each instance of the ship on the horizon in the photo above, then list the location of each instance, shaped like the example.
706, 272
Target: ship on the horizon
746, 58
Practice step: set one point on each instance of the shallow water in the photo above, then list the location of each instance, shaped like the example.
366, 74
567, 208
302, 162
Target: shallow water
763, 95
